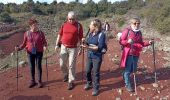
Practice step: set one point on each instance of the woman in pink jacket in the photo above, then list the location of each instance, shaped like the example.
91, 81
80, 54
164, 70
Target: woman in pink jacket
132, 44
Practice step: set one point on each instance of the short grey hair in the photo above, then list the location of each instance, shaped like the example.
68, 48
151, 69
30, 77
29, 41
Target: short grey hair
71, 14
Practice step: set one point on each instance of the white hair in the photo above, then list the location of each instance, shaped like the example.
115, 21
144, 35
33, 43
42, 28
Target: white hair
71, 14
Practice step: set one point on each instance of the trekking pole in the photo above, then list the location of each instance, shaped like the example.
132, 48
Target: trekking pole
154, 61
17, 68
82, 62
46, 64
134, 73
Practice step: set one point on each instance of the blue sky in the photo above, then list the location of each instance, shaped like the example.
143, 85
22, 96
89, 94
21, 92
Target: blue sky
49, 1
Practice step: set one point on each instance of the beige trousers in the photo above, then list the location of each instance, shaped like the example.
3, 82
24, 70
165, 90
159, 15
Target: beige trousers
68, 55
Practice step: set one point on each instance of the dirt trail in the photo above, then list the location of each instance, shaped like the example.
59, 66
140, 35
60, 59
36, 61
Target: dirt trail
111, 80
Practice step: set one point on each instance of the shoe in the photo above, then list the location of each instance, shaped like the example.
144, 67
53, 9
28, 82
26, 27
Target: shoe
40, 85
87, 86
95, 92
71, 86
32, 84
129, 88
65, 79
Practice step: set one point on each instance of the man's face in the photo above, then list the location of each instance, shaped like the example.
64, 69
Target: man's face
71, 19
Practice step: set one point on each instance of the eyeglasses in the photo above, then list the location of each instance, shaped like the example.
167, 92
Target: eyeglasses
71, 19
136, 23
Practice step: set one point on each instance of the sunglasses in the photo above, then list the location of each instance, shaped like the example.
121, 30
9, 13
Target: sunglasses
136, 23
71, 19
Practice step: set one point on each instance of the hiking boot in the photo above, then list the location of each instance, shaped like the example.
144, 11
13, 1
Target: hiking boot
95, 92
65, 79
129, 88
71, 86
32, 84
87, 86
40, 85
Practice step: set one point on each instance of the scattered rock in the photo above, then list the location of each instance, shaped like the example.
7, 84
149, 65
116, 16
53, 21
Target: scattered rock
71, 96
159, 91
117, 98
116, 56
4, 66
164, 98
131, 94
137, 98
155, 85
120, 91
12, 54
157, 97
22, 63
142, 88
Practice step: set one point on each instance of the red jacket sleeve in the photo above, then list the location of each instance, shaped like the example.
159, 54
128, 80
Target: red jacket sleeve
23, 45
44, 39
61, 31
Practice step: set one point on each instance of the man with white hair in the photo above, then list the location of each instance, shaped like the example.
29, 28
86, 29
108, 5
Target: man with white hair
70, 33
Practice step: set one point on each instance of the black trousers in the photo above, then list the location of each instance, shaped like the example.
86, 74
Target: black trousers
35, 59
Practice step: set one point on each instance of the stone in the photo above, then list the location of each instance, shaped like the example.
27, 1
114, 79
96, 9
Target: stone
117, 98
155, 85
120, 91
22, 63
142, 88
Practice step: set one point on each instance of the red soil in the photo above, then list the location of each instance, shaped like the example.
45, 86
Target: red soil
111, 80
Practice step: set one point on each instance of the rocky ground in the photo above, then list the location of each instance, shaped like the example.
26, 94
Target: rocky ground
112, 85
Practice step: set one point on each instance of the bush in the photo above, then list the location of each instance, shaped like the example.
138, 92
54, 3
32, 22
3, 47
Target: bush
5, 17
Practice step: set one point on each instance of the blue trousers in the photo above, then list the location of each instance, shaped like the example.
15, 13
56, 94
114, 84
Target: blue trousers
94, 64
131, 66
33, 60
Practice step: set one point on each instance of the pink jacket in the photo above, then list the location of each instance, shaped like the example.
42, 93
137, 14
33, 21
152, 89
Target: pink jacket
138, 44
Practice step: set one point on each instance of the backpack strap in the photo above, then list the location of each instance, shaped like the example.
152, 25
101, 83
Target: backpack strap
99, 36
28, 34
128, 33
78, 26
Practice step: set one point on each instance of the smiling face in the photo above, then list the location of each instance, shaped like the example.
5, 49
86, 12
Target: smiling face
92, 27
135, 24
95, 25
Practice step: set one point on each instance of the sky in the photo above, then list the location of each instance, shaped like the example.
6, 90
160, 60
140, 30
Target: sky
49, 1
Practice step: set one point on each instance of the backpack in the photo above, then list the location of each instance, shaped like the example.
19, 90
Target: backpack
104, 49
119, 38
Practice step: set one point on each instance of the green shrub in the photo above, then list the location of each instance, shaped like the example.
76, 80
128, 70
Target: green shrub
6, 18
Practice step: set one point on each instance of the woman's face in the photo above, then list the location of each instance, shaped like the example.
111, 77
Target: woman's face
91, 26
34, 27
135, 25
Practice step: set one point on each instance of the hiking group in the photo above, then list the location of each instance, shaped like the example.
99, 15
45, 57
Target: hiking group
71, 42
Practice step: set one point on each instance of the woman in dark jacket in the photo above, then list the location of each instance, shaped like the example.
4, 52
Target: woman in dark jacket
95, 44
35, 43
